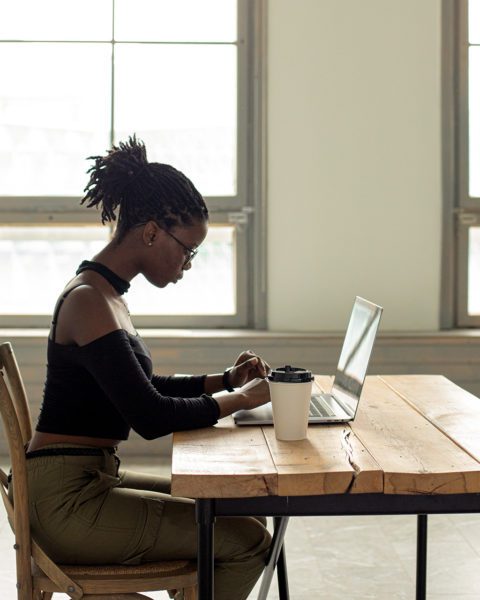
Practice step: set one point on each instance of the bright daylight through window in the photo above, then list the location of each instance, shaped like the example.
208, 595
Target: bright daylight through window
462, 165
70, 86
474, 152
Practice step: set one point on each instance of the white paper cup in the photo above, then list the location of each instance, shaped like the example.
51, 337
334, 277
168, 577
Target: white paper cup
290, 405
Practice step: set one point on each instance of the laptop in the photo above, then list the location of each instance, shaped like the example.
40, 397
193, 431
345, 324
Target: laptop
341, 403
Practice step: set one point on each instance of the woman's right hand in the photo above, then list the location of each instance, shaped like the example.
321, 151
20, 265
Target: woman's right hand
254, 393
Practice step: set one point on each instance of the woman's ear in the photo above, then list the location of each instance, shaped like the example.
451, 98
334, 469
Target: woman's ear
149, 233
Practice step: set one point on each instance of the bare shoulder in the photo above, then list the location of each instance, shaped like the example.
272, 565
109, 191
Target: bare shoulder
85, 315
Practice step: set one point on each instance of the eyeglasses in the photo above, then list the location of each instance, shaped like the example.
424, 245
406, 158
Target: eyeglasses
191, 252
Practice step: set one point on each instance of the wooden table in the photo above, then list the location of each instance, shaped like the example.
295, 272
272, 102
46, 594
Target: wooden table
414, 448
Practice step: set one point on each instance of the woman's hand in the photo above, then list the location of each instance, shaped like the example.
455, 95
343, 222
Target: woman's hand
247, 367
254, 393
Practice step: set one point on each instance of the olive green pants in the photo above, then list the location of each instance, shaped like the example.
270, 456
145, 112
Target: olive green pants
84, 510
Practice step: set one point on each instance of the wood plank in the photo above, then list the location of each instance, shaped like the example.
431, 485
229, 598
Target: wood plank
452, 409
368, 474
330, 461
416, 457
224, 461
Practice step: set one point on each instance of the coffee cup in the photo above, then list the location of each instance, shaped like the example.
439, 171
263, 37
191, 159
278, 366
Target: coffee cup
290, 392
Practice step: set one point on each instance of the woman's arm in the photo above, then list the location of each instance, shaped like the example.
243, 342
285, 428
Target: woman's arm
251, 395
186, 386
111, 362
247, 367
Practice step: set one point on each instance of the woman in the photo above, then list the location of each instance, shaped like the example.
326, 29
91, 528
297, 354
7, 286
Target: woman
100, 384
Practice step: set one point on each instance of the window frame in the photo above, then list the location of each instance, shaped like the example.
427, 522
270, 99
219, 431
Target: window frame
245, 211
460, 210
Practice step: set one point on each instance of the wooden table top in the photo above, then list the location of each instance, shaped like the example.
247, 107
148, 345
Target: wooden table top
413, 434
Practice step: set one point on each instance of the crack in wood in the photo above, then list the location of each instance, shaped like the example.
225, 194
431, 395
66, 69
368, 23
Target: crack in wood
267, 486
348, 449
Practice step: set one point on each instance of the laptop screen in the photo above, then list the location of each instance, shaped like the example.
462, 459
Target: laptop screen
356, 351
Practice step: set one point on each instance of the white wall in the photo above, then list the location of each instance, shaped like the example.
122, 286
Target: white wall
354, 162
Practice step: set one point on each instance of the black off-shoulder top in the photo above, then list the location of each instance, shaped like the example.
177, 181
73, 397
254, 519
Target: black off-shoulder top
106, 387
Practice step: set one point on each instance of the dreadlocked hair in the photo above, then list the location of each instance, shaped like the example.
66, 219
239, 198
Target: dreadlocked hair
124, 182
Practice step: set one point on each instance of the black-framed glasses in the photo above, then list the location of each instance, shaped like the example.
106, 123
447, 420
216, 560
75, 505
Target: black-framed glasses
191, 252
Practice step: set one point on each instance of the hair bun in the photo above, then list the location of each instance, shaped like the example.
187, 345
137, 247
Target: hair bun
131, 155
141, 191
111, 174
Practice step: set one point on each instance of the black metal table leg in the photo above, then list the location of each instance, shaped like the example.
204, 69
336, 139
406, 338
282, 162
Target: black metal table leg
204, 512
276, 558
421, 557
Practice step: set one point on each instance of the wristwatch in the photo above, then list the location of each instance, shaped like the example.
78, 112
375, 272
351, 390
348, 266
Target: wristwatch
226, 380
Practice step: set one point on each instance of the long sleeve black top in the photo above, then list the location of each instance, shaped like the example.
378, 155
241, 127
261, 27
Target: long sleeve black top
106, 387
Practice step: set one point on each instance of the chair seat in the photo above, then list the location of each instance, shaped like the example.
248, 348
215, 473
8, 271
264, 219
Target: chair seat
150, 569
124, 578
116, 597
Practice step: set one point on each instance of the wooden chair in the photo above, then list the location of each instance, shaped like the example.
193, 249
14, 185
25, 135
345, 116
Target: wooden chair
38, 577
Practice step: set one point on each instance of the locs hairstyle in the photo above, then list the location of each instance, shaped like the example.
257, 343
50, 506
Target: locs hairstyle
123, 179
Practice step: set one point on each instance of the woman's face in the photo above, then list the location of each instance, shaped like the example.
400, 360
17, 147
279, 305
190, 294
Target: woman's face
171, 253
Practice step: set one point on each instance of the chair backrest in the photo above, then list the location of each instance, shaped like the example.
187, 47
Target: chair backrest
8, 363
18, 512
16, 419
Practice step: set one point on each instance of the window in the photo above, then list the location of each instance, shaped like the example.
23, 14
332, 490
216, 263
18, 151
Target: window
464, 108
79, 75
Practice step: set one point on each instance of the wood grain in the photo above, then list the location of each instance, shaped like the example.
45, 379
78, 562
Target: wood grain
224, 461
330, 461
408, 437
367, 476
415, 456
453, 410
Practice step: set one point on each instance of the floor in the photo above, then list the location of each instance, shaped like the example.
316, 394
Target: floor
359, 558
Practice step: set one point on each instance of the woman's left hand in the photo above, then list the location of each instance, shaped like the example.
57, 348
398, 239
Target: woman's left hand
248, 366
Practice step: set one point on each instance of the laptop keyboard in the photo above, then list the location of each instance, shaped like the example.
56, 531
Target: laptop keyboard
319, 407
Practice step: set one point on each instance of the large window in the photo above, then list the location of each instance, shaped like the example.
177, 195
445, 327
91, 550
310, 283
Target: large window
79, 75
465, 137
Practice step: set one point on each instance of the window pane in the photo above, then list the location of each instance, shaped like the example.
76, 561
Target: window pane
474, 271
474, 21
180, 20
54, 112
474, 122
37, 262
208, 288
55, 19
181, 100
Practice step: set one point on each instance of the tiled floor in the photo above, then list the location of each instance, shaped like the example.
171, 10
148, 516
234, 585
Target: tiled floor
359, 558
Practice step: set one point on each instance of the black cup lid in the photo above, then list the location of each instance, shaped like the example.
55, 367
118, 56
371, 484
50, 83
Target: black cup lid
290, 374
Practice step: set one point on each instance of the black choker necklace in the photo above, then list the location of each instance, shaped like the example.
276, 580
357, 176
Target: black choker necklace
119, 284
